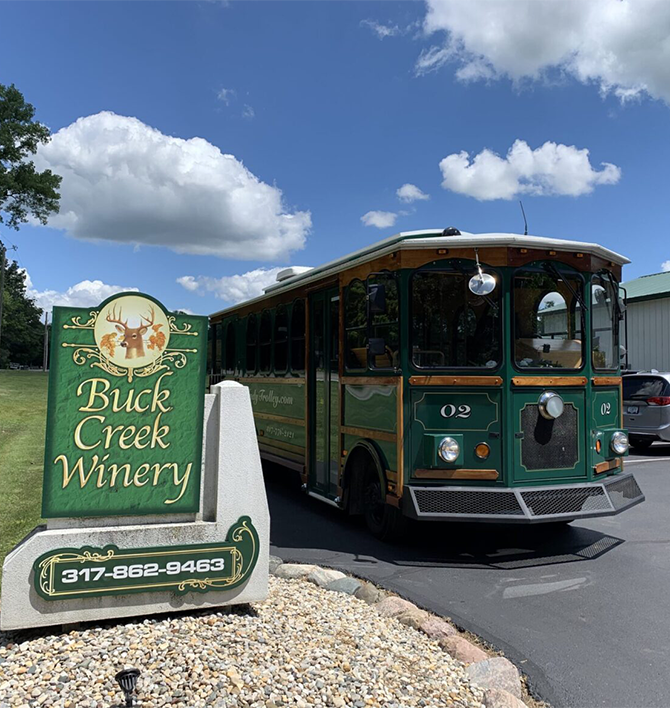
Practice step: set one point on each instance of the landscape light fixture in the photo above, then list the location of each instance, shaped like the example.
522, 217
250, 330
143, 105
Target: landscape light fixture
127, 679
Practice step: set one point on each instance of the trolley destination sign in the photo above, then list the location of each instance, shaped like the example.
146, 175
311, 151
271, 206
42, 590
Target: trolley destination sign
125, 411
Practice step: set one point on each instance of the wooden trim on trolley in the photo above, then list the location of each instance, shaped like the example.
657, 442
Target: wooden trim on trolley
366, 433
607, 466
273, 379
606, 380
456, 474
280, 418
549, 381
455, 381
370, 380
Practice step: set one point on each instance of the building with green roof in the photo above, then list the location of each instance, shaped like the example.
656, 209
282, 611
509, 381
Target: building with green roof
647, 332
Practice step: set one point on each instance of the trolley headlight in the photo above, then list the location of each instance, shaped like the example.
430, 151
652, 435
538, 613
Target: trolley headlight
619, 442
551, 405
449, 449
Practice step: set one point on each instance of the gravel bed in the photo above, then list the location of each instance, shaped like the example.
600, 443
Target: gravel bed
304, 646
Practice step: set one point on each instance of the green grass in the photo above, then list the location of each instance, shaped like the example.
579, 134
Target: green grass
23, 406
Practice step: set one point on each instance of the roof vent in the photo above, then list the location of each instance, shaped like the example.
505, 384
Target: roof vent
290, 272
451, 231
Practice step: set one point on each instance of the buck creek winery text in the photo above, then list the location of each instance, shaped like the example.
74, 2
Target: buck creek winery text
103, 444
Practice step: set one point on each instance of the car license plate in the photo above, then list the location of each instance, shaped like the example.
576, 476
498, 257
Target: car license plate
633, 410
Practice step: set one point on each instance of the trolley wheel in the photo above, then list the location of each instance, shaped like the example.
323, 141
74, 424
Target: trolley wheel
640, 443
384, 521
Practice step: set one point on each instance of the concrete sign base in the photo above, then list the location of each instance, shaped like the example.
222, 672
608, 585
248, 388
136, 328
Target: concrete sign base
232, 487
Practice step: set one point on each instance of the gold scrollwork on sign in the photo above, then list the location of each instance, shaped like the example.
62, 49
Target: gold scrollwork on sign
186, 329
172, 357
47, 565
76, 322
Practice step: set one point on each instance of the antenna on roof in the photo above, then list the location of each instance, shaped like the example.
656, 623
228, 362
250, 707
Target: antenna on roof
525, 223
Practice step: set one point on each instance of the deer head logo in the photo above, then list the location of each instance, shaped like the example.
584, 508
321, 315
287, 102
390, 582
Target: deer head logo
133, 337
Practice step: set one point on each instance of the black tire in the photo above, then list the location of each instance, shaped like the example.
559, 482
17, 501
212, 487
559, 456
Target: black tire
640, 443
384, 521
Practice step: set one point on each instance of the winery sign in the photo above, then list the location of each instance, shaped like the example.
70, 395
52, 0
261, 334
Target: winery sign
152, 490
124, 422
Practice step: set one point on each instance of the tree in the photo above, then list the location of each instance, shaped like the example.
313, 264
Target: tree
22, 335
24, 191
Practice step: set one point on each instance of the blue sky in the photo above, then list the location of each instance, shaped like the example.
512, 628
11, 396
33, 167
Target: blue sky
330, 107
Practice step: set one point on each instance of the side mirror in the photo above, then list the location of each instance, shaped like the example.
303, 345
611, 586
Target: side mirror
377, 299
482, 284
376, 346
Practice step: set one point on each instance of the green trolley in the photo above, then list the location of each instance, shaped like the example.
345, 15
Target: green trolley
441, 375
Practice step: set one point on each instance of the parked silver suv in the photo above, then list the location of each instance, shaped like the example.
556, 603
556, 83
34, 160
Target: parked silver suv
646, 408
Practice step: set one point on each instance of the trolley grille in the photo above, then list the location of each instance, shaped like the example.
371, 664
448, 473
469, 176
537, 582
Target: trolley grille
621, 491
549, 444
455, 501
566, 501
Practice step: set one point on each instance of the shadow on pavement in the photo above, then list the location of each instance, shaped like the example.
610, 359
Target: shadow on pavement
301, 522
657, 449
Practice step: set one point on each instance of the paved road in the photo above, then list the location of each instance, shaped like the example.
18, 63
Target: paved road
584, 611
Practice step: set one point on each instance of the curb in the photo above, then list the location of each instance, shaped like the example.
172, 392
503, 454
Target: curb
499, 679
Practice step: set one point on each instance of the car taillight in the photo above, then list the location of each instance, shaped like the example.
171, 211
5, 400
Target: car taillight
659, 401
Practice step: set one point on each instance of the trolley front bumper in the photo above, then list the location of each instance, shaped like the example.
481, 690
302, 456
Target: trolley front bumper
525, 504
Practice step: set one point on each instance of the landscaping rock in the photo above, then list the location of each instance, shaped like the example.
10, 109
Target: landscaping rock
437, 628
413, 618
369, 593
345, 585
463, 650
496, 672
323, 576
498, 698
302, 647
294, 570
392, 606
275, 562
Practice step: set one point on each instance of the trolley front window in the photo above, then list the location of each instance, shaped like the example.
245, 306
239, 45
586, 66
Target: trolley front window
548, 318
605, 317
451, 326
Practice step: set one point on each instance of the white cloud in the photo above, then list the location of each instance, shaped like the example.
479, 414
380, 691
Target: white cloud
382, 31
665, 266
411, 193
548, 170
380, 219
127, 182
235, 288
86, 293
620, 45
248, 112
226, 95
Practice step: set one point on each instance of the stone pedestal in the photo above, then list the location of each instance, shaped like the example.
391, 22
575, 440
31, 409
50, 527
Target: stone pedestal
231, 487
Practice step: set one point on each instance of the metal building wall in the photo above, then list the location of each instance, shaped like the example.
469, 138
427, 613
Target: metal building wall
648, 324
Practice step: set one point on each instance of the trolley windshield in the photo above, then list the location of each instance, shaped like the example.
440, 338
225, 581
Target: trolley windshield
548, 319
451, 326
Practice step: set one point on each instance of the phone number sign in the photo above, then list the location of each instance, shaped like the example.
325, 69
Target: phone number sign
87, 572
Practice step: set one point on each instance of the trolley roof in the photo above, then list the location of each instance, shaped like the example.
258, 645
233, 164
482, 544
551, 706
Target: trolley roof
430, 239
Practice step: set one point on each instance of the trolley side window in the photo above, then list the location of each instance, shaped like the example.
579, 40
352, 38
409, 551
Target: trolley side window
265, 340
281, 340
451, 326
383, 317
605, 318
251, 366
548, 319
230, 349
298, 338
355, 326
